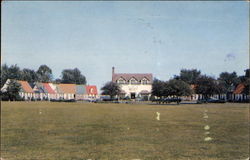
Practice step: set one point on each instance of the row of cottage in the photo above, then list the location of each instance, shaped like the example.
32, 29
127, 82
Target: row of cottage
132, 85
48, 91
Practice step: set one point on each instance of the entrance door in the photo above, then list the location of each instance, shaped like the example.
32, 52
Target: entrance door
132, 95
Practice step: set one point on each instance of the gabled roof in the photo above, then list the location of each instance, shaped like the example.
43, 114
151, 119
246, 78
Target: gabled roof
48, 88
25, 87
128, 76
39, 88
67, 88
239, 89
53, 87
91, 89
81, 89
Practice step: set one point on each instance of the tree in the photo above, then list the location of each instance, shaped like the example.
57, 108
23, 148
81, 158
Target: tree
12, 91
29, 75
173, 87
178, 88
189, 76
158, 88
245, 79
206, 86
4, 74
44, 73
230, 80
247, 73
12, 72
110, 88
58, 80
73, 76
220, 88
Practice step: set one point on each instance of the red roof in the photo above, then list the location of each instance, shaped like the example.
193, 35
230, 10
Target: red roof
239, 89
25, 86
67, 88
91, 89
48, 88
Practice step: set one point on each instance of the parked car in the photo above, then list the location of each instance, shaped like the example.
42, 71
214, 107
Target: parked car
211, 100
169, 100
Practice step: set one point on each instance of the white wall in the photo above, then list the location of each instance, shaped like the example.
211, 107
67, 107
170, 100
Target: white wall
135, 88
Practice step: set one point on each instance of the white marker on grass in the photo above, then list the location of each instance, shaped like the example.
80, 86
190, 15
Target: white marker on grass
208, 139
207, 127
158, 116
207, 133
205, 116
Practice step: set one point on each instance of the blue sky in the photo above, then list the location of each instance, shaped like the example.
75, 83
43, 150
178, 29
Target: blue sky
136, 37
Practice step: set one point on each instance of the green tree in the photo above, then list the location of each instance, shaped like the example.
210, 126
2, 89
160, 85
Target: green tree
245, 79
247, 73
4, 74
58, 80
29, 75
178, 88
158, 88
110, 88
12, 91
206, 86
44, 73
246, 90
229, 80
73, 76
12, 72
189, 76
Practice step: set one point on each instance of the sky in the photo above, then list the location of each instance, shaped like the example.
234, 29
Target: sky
159, 37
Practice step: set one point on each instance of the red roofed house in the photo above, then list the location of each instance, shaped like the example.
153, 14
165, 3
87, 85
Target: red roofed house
50, 92
196, 96
91, 91
133, 85
238, 93
26, 92
44, 91
67, 91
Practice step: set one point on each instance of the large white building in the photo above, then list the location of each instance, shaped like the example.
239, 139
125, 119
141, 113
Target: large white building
133, 85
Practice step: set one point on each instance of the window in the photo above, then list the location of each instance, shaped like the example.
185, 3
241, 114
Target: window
121, 81
133, 81
144, 81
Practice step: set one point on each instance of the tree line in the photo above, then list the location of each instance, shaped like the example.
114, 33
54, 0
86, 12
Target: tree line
42, 74
188, 82
201, 84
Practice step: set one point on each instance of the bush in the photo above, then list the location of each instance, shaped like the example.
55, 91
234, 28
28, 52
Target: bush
4, 96
62, 100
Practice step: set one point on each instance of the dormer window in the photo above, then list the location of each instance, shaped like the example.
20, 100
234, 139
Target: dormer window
121, 81
133, 81
144, 81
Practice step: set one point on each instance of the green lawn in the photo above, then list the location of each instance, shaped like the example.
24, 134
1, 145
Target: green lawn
74, 131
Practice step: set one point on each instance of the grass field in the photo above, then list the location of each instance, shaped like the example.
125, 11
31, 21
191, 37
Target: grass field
74, 131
